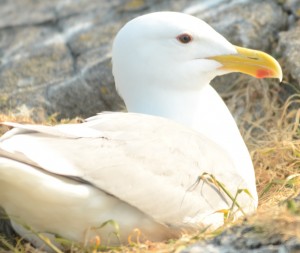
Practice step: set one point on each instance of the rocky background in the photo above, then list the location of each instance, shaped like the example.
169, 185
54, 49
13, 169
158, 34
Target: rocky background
55, 59
55, 54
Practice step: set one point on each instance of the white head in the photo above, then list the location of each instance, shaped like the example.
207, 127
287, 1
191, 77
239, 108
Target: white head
168, 51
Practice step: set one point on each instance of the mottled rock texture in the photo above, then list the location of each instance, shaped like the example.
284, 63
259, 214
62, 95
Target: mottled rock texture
246, 239
55, 55
289, 48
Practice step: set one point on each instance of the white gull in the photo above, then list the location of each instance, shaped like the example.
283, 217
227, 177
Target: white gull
140, 171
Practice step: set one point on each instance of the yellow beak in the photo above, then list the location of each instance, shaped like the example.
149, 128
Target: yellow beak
252, 62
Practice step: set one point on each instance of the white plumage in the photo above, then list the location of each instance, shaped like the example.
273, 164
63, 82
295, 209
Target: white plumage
140, 171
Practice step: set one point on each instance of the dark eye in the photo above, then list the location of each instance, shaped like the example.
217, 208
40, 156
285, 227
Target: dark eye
184, 38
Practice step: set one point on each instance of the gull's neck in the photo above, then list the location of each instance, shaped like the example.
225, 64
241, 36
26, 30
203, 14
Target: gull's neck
201, 109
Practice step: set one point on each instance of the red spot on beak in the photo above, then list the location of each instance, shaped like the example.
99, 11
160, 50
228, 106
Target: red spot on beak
263, 73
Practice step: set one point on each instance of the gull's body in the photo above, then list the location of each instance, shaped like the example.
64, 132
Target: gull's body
140, 171
145, 170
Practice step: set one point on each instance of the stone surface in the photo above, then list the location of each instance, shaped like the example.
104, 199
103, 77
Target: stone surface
6, 229
255, 24
26, 12
245, 239
288, 47
292, 6
55, 55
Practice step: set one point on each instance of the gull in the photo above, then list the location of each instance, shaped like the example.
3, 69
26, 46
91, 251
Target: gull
175, 163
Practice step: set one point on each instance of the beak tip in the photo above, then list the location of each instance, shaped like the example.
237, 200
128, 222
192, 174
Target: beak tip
272, 71
280, 75
278, 71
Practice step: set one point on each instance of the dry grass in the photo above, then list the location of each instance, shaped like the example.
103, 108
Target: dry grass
270, 126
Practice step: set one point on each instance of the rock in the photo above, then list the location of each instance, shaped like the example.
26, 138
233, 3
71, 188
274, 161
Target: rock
26, 12
86, 92
32, 58
67, 8
288, 47
293, 245
292, 6
255, 24
6, 228
245, 239
55, 55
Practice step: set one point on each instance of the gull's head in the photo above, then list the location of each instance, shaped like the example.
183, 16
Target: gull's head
176, 51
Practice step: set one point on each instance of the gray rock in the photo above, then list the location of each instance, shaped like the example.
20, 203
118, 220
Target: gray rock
67, 8
249, 23
245, 239
292, 6
26, 12
292, 246
288, 47
32, 58
55, 55
88, 91
6, 229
